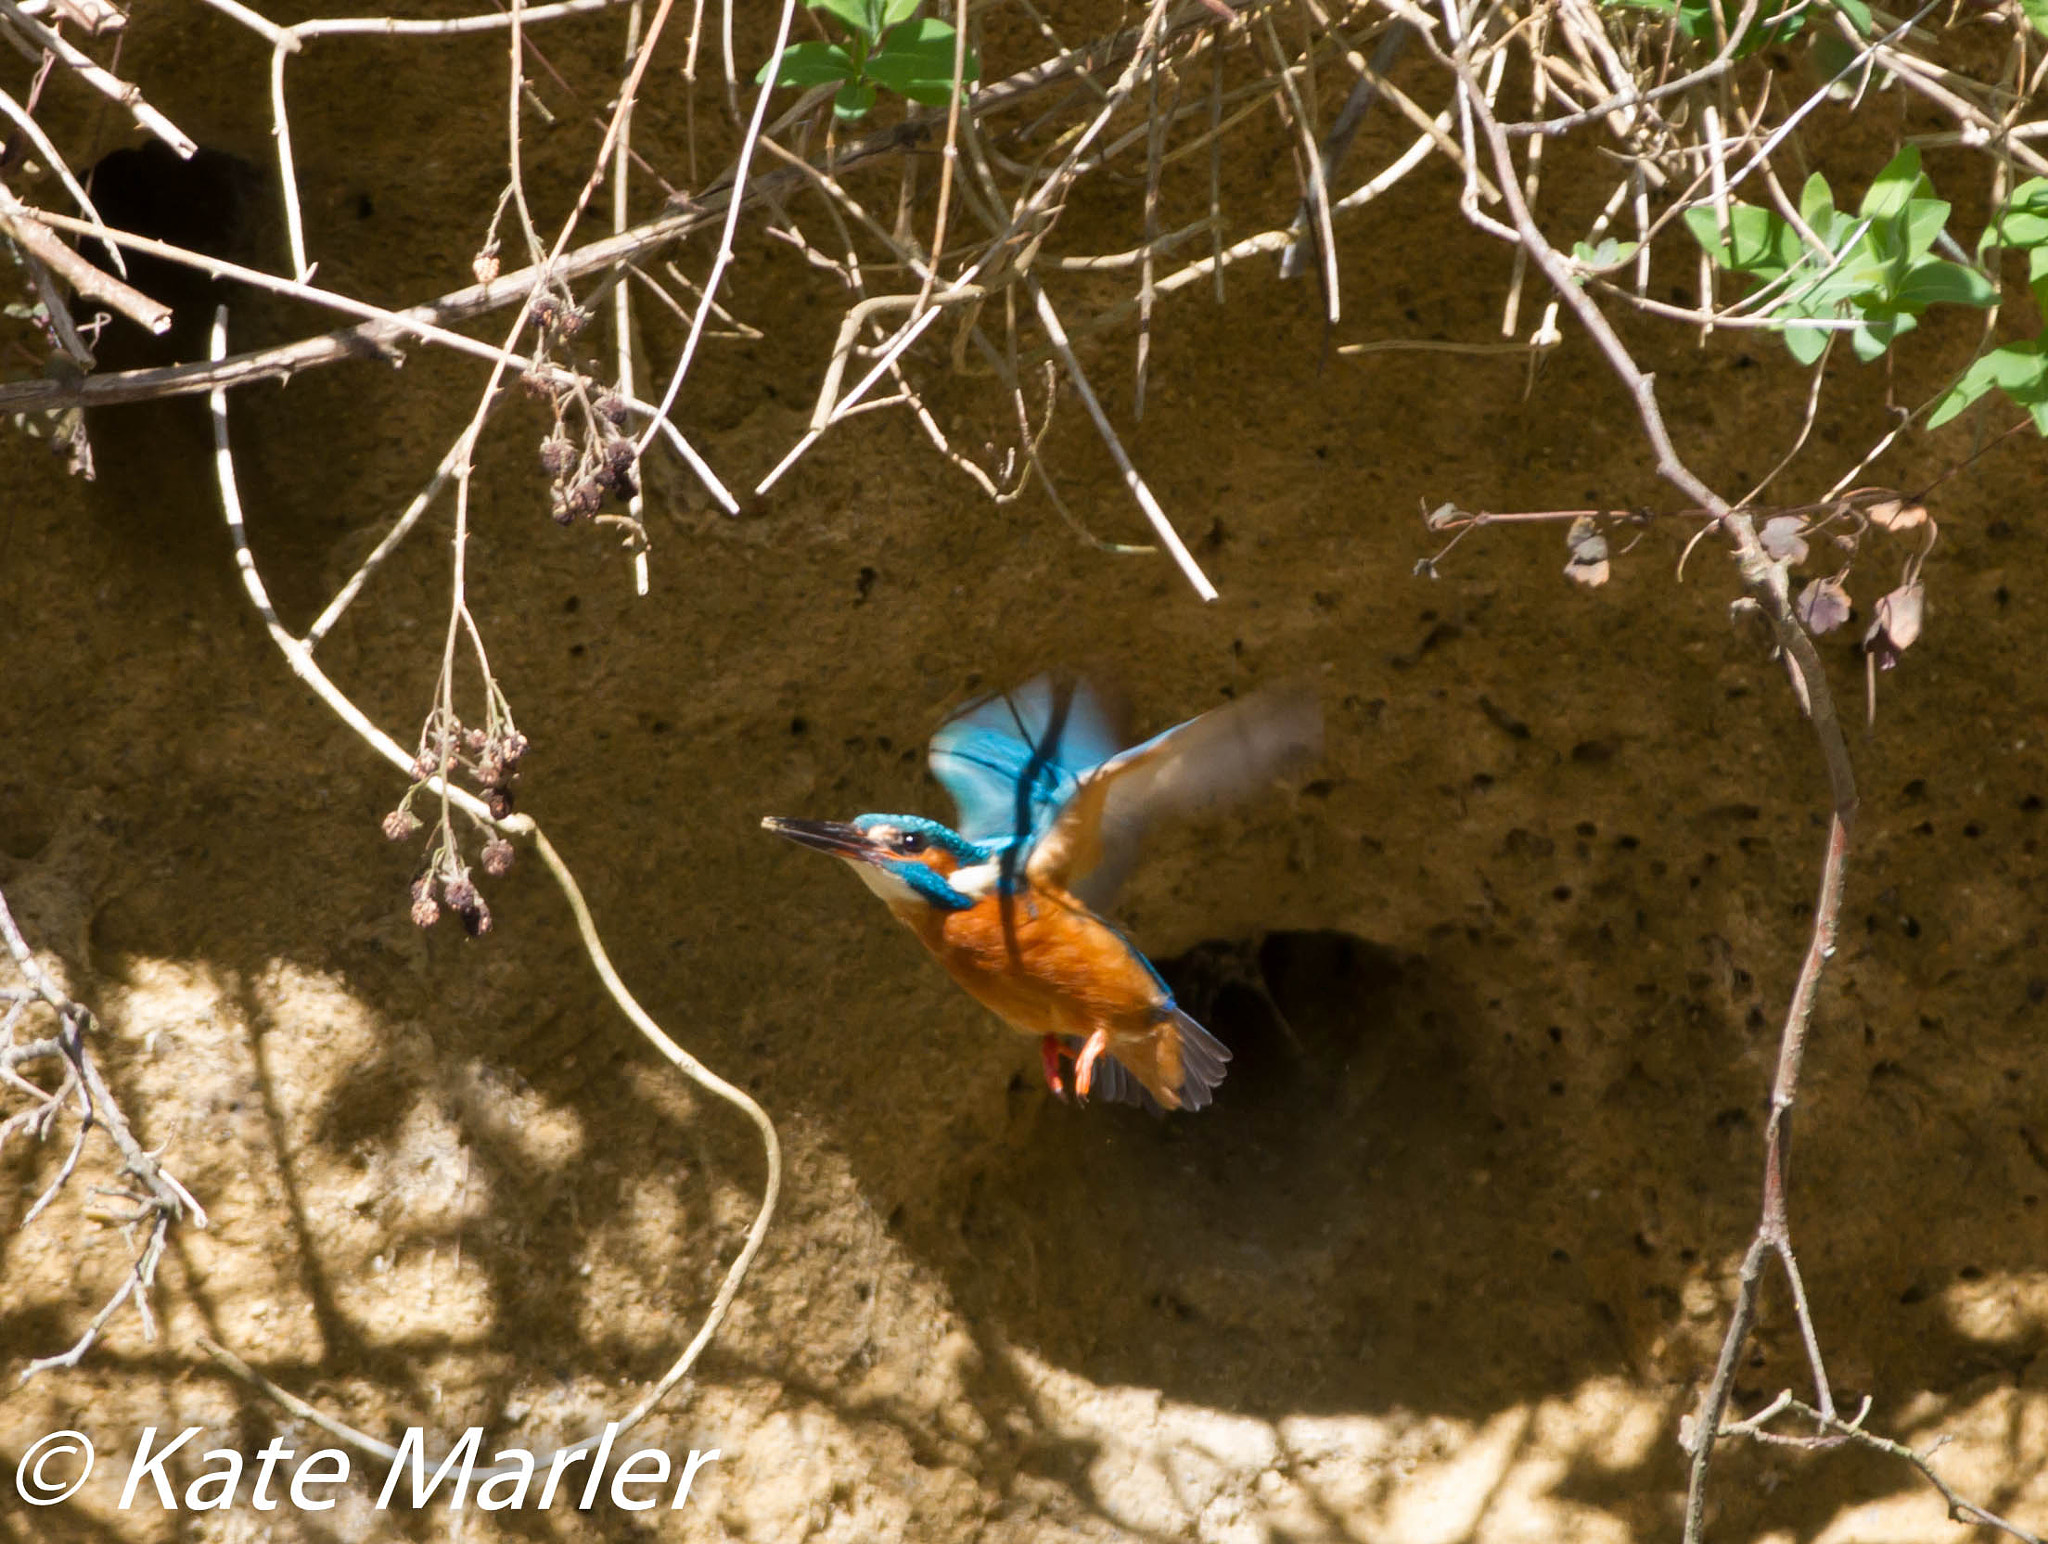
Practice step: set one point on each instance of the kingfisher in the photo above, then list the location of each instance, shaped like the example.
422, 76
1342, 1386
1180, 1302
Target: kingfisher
1050, 814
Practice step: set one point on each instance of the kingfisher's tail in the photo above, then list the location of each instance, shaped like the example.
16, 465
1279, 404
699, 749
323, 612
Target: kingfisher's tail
1200, 1057
1115, 1083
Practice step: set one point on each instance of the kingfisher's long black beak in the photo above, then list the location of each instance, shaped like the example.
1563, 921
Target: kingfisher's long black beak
842, 841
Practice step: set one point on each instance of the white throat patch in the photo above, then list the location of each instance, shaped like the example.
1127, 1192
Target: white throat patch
976, 881
885, 884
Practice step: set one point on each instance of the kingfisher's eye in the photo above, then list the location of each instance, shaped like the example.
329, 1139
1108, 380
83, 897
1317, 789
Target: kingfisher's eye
911, 841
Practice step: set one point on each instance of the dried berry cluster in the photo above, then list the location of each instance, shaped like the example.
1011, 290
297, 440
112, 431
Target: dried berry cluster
461, 894
497, 767
490, 758
583, 466
562, 319
581, 476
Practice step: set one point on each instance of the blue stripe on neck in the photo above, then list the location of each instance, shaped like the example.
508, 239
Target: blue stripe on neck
931, 886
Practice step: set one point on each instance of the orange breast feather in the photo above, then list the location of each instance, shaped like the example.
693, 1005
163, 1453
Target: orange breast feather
1052, 967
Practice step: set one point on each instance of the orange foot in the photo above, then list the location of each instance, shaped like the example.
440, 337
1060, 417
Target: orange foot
1049, 1054
1084, 1064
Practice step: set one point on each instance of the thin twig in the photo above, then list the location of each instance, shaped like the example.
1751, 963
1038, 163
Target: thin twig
102, 81
1833, 1429
167, 1200
1766, 584
1139, 489
19, 221
1028, 211
300, 659
723, 257
373, 339
54, 159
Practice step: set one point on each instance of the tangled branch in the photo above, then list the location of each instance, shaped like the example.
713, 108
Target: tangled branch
1696, 137
159, 1199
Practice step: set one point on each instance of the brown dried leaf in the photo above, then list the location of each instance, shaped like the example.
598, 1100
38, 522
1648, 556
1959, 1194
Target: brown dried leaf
1897, 623
1902, 611
1897, 514
1783, 537
1822, 606
1588, 565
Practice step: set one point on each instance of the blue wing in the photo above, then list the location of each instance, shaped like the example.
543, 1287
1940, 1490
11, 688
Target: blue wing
1038, 770
1225, 756
1012, 761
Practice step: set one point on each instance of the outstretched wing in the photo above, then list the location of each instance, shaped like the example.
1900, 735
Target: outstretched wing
1220, 758
1012, 760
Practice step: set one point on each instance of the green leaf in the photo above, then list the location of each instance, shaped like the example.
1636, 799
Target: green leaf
857, 16
1893, 187
932, 93
1833, 59
854, 100
2022, 220
1774, 24
2018, 228
2019, 367
916, 60
1608, 254
1759, 242
1934, 282
1923, 220
1879, 327
2030, 195
1771, 25
810, 64
896, 12
926, 35
1817, 205
1851, 287
1806, 344
2036, 12
2032, 394
918, 33
1858, 14
2019, 370
1706, 230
